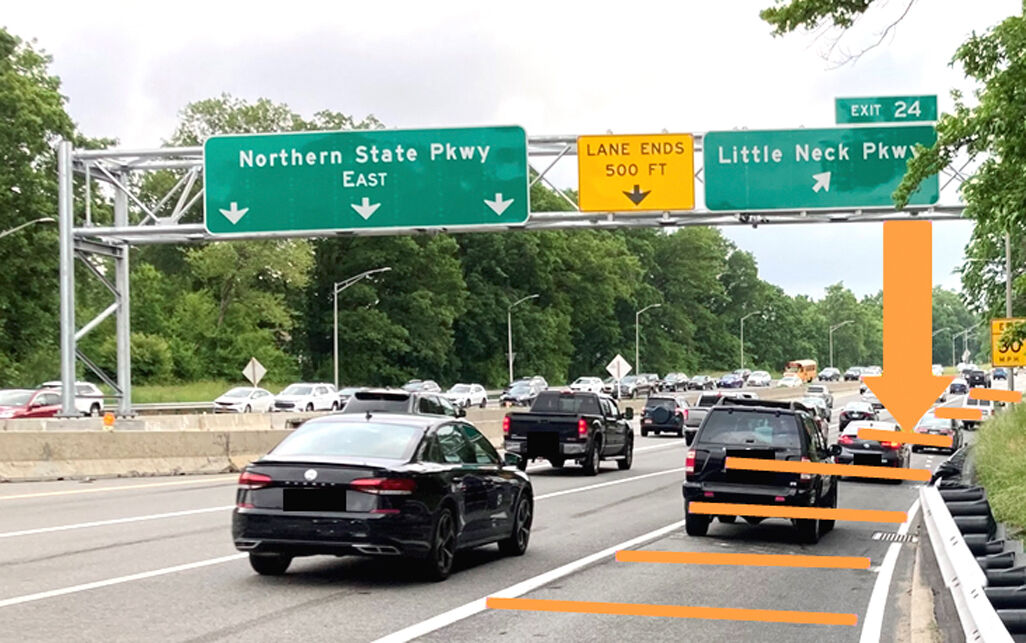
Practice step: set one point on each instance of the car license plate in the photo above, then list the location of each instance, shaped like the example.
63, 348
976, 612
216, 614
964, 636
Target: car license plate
648, 420
310, 499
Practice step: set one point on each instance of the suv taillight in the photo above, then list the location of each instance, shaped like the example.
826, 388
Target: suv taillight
251, 480
505, 426
689, 462
805, 477
582, 428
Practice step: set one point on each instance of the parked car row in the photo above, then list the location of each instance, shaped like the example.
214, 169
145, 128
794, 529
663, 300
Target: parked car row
45, 401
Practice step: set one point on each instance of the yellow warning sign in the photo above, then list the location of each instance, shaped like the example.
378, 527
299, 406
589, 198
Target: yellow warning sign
636, 172
1002, 354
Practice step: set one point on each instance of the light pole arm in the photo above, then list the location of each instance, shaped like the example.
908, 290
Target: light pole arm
25, 225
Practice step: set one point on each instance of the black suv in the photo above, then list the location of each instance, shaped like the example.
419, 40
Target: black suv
977, 378
767, 430
399, 401
664, 413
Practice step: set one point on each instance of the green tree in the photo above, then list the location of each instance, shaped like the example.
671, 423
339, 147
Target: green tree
32, 118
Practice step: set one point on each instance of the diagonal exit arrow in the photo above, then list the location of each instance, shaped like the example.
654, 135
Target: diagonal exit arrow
907, 387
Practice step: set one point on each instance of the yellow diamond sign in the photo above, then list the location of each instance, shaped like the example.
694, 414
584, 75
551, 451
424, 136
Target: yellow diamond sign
636, 172
1003, 354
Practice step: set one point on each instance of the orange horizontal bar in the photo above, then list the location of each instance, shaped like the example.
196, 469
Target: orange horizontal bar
851, 470
785, 511
672, 611
754, 560
995, 395
908, 437
958, 413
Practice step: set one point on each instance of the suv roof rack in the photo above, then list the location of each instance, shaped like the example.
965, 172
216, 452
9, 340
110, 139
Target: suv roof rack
769, 404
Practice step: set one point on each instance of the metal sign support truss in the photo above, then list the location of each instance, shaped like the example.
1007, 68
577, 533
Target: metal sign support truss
137, 223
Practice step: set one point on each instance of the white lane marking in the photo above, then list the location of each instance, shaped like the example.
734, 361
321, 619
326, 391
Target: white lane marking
556, 573
43, 494
174, 514
28, 598
476, 606
113, 521
872, 623
544, 465
608, 484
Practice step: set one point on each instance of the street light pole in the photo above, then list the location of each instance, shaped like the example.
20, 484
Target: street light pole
637, 336
27, 224
1008, 298
338, 287
509, 331
743, 336
831, 336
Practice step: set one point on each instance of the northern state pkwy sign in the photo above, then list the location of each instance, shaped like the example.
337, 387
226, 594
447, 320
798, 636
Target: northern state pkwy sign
323, 181
812, 168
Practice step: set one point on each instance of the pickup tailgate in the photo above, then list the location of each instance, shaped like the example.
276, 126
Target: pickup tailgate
542, 433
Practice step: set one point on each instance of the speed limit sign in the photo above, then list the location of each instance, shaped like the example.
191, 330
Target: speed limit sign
1002, 354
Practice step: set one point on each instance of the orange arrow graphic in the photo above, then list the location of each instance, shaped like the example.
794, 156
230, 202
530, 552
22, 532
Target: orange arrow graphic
907, 387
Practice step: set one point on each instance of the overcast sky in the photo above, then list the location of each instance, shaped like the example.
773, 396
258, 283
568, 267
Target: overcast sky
555, 68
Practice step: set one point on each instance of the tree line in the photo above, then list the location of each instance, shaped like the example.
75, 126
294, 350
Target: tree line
201, 311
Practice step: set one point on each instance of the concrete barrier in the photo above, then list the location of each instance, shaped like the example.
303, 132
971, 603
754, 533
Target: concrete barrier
49, 455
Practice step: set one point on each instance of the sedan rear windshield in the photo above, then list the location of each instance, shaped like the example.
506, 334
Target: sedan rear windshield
554, 402
352, 439
14, 398
760, 428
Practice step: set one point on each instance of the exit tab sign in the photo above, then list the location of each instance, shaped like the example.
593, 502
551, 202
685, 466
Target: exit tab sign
886, 109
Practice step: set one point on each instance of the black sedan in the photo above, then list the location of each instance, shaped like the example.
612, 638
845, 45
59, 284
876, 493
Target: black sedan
853, 411
701, 383
855, 450
381, 485
520, 394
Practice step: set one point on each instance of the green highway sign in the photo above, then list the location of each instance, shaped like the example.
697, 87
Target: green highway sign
886, 109
845, 167
324, 181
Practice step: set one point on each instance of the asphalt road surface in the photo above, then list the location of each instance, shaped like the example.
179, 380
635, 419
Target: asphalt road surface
152, 558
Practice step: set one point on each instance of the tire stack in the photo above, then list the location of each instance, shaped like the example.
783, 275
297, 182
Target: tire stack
1000, 557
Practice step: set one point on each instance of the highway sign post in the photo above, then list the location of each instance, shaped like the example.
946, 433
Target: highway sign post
848, 167
618, 368
885, 109
636, 172
1003, 354
325, 181
254, 371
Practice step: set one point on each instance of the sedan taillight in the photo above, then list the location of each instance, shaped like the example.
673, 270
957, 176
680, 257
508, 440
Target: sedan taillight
385, 486
251, 480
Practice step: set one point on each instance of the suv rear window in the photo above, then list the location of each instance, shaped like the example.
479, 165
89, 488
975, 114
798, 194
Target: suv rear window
555, 402
378, 402
750, 427
661, 402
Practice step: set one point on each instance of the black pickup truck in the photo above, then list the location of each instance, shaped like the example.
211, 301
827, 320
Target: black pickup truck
567, 425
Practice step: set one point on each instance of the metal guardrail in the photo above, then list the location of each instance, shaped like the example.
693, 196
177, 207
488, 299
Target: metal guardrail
962, 574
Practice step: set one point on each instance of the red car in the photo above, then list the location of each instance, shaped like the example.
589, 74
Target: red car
26, 403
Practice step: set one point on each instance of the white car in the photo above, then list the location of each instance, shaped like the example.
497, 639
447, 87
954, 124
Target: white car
587, 385
467, 395
790, 381
759, 378
88, 397
938, 369
244, 399
307, 397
